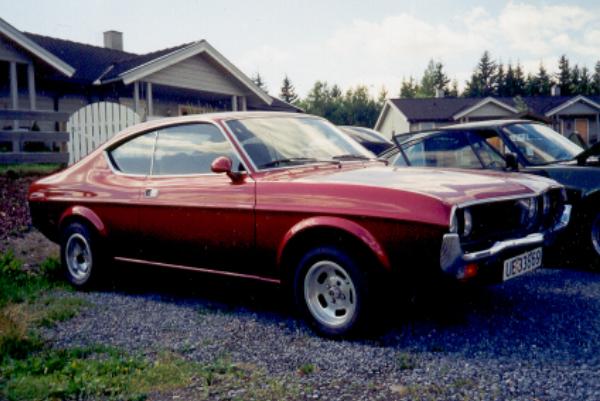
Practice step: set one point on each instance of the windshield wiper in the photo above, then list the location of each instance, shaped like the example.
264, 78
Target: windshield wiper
293, 160
351, 156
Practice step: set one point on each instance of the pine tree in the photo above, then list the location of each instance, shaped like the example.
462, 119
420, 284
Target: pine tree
543, 82
519, 80
258, 81
483, 80
585, 83
596, 80
531, 85
509, 82
288, 92
409, 88
575, 81
500, 81
453, 92
564, 76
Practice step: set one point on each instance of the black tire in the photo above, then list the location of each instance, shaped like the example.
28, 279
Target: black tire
80, 256
593, 241
316, 306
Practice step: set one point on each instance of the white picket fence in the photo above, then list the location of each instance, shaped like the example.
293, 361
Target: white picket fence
94, 124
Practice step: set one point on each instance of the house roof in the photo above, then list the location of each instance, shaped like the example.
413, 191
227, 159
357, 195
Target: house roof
94, 65
34, 48
445, 109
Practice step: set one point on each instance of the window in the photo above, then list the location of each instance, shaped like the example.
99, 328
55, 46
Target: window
450, 149
490, 148
135, 155
190, 149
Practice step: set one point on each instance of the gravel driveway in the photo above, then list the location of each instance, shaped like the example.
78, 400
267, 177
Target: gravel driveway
534, 338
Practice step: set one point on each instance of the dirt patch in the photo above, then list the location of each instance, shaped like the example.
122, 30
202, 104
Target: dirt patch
14, 212
31, 247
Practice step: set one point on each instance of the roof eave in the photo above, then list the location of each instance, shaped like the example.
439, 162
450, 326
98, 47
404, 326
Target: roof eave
18, 37
167, 60
482, 103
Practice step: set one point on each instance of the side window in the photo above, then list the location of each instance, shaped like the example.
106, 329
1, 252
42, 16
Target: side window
489, 148
450, 149
190, 149
135, 155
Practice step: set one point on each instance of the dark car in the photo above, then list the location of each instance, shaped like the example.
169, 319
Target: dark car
288, 199
522, 145
368, 138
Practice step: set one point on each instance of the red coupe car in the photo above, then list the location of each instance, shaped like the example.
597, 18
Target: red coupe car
287, 198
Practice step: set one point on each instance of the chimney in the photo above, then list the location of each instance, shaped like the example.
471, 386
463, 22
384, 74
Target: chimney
439, 92
555, 90
113, 40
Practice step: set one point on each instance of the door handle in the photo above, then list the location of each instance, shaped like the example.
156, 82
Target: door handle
150, 193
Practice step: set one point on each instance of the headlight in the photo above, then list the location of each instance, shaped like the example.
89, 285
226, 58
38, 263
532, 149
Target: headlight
467, 223
529, 211
546, 204
454, 223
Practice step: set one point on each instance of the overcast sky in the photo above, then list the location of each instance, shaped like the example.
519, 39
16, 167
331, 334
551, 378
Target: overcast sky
346, 42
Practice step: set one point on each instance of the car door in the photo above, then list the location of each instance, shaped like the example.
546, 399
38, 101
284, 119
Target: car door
190, 216
121, 181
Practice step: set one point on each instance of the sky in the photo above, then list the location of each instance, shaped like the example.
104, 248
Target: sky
373, 43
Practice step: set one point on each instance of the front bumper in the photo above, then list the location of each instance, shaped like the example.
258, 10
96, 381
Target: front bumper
456, 263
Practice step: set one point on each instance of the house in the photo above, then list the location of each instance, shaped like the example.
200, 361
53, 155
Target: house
566, 114
45, 80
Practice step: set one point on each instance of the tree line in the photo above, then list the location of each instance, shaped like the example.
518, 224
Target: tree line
356, 106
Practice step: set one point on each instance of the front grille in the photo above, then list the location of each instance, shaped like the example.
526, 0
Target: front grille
509, 219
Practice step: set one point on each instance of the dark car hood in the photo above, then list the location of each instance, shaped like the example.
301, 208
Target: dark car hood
593, 150
452, 186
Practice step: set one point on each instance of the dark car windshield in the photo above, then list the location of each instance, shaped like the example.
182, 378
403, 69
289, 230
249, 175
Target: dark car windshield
540, 144
278, 141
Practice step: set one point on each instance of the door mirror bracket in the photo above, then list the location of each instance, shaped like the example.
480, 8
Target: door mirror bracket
512, 164
223, 164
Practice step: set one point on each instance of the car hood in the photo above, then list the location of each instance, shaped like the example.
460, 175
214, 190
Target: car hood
453, 186
593, 150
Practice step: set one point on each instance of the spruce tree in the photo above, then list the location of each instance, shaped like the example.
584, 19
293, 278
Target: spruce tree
596, 80
519, 80
258, 81
409, 88
483, 80
288, 92
543, 82
563, 77
574, 87
500, 81
585, 83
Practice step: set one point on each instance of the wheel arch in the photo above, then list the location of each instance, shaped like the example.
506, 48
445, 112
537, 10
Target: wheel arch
85, 215
320, 229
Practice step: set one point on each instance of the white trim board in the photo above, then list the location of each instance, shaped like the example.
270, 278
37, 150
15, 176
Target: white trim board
482, 103
167, 60
18, 37
570, 103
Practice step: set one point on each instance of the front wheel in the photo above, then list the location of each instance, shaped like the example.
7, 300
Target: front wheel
331, 291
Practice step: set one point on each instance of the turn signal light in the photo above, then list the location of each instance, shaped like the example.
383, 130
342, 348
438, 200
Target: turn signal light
470, 271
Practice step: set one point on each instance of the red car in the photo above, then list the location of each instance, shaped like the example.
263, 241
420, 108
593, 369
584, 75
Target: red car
288, 198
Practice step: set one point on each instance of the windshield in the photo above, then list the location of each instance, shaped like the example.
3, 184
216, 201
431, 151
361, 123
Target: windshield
279, 141
540, 144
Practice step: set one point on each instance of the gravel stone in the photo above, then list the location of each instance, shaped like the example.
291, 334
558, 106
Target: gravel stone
533, 338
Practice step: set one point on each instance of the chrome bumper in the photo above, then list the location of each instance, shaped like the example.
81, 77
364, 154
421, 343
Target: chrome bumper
453, 259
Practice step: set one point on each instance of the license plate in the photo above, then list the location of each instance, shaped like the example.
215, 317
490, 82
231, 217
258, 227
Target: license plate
522, 264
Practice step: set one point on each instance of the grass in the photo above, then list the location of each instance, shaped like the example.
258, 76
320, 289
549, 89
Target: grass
406, 361
32, 370
29, 169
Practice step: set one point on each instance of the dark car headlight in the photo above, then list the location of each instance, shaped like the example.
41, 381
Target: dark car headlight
467, 223
529, 210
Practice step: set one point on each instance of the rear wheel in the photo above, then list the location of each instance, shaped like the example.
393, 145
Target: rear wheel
79, 255
331, 291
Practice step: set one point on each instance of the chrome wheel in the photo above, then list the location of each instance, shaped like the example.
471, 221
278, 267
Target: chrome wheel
596, 234
78, 256
329, 294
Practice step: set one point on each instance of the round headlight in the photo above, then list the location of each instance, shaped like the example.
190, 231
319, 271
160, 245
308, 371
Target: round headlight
467, 223
529, 210
546, 204
453, 224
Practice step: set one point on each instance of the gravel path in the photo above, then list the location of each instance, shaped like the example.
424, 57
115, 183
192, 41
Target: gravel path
533, 338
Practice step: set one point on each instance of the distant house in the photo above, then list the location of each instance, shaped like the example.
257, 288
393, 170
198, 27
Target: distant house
566, 114
40, 75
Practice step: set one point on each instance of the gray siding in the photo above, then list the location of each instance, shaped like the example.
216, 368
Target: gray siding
199, 73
